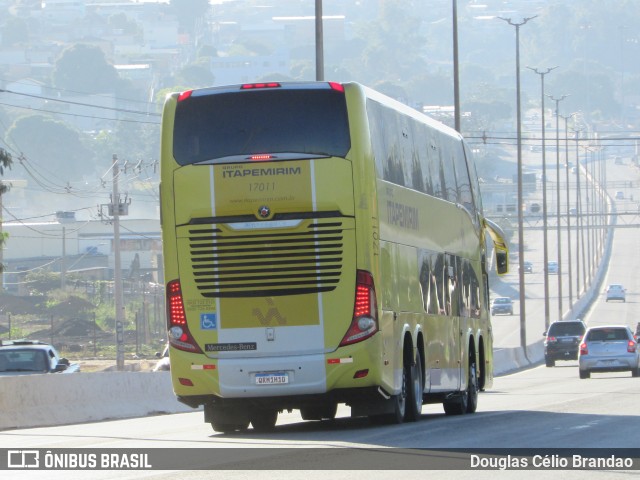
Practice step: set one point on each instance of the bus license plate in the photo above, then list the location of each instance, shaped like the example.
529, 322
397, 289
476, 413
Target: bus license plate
272, 378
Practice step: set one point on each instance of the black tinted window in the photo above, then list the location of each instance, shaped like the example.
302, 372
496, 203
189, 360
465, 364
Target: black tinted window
566, 329
261, 121
608, 335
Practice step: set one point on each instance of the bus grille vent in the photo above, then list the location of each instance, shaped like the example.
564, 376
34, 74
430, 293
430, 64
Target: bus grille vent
257, 264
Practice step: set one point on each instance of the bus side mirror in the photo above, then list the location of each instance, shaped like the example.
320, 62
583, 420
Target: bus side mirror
499, 246
502, 261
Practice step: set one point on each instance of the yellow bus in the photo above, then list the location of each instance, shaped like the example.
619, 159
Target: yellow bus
323, 244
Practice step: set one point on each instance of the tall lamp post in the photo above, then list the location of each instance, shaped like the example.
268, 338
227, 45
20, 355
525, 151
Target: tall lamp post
579, 222
523, 334
319, 42
566, 146
558, 100
456, 71
544, 199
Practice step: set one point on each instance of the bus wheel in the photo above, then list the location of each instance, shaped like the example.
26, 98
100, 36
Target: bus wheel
264, 420
398, 406
472, 389
324, 412
466, 401
225, 419
414, 392
229, 427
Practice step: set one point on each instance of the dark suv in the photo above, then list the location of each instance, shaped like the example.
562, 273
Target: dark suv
562, 341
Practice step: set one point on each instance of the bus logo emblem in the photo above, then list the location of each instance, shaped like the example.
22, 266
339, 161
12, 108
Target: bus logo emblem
264, 211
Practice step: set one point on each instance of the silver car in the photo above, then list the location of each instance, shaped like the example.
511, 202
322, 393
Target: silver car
610, 348
615, 291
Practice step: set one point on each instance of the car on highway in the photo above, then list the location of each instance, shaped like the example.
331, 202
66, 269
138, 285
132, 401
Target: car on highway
552, 267
26, 357
619, 195
527, 267
502, 305
163, 364
609, 348
562, 341
615, 291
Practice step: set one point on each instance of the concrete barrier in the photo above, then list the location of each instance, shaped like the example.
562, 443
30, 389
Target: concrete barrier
56, 399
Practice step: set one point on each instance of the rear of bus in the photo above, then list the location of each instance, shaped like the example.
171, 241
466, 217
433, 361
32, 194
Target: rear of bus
270, 303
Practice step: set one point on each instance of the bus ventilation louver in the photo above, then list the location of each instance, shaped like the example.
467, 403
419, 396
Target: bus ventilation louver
267, 263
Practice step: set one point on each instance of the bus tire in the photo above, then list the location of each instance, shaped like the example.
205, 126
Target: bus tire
472, 388
225, 419
466, 401
229, 427
324, 412
414, 390
400, 400
263, 420
398, 406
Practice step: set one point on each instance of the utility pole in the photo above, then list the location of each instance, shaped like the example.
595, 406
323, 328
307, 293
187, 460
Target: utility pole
63, 266
319, 43
523, 324
559, 231
456, 71
545, 243
117, 270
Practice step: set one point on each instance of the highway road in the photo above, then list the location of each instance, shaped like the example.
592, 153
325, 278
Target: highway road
507, 328
537, 408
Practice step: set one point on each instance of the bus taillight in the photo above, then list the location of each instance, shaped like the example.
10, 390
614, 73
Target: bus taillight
179, 335
365, 311
251, 86
261, 157
184, 95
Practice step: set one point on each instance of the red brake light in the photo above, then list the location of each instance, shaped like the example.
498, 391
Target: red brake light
365, 310
179, 335
551, 339
583, 349
338, 87
251, 86
261, 158
184, 95
631, 346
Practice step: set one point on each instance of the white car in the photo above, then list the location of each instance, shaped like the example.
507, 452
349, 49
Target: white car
619, 195
615, 291
552, 267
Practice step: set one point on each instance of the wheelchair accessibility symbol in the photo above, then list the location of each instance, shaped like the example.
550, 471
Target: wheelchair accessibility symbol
208, 321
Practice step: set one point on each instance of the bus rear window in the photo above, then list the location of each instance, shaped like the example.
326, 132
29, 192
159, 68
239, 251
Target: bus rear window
226, 126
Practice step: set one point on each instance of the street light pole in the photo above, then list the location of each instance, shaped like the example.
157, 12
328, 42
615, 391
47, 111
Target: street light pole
523, 333
319, 43
558, 100
579, 223
456, 71
566, 146
544, 200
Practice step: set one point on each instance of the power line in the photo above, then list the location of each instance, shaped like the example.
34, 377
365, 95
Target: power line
79, 115
62, 90
70, 102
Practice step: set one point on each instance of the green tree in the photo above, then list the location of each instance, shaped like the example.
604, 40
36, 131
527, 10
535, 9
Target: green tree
189, 12
51, 147
393, 43
196, 75
84, 68
14, 31
123, 22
